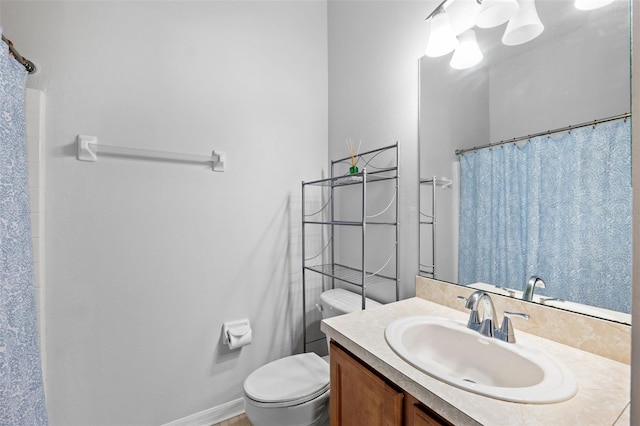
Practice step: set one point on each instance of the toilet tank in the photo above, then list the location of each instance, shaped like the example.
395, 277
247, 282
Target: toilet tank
339, 301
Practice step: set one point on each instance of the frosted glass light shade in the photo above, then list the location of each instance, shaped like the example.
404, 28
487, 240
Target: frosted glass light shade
496, 12
591, 4
525, 26
442, 39
463, 15
467, 53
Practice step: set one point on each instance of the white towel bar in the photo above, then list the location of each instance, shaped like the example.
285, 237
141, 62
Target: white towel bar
88, 150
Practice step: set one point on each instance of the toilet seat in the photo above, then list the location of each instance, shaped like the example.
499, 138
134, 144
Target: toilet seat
288, 381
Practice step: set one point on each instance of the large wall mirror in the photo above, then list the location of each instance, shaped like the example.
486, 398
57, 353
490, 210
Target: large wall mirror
537, 97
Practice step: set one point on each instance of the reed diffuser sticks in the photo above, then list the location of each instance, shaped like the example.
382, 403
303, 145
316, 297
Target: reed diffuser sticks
354, 154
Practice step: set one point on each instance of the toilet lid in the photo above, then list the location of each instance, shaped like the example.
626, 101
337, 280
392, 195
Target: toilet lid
295, 379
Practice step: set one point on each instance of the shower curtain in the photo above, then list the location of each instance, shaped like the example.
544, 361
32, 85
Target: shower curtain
558, 207
21, 389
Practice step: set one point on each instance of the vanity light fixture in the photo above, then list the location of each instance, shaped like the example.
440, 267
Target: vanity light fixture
467, 54
463, 15
591, 4
496, 12
525, 26
452, 21
442, 39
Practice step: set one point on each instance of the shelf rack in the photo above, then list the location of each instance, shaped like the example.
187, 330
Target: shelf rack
429, 220
331, 268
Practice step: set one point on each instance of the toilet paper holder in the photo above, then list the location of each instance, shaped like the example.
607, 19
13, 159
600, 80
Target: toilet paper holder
236, 334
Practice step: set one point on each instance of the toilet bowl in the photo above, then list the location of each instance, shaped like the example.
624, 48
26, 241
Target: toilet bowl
290, 391
294, 390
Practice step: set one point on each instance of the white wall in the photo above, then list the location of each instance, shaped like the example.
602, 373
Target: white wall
147, 259
374, 48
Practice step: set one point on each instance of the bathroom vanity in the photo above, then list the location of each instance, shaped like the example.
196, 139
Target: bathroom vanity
375, 399
365, 370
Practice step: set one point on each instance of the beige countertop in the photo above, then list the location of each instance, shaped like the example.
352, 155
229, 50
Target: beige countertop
603, 384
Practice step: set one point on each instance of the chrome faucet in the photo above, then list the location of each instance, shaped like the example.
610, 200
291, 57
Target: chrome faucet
487, 324
533, 282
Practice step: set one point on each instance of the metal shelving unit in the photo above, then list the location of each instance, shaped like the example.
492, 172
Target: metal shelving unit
327, 218
429, 220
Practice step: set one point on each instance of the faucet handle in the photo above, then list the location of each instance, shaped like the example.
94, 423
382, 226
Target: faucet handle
506, 331
471, 302
508, 314
473, 299
468, 301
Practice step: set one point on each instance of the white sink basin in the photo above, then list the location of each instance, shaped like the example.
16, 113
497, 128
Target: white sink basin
447, 350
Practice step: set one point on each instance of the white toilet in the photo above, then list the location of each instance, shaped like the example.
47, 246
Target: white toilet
294, 390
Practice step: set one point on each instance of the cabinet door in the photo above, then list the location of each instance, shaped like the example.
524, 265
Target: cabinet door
417, 414
359, 396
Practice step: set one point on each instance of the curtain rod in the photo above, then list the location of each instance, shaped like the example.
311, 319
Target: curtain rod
27, 64
548, 132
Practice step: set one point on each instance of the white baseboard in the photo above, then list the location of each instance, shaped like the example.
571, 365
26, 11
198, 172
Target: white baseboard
212, 415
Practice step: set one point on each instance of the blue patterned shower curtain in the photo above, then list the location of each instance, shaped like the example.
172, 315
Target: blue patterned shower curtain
21, 389
556, 206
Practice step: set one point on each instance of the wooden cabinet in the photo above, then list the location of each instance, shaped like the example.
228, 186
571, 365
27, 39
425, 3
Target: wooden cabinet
361, 397
417, 414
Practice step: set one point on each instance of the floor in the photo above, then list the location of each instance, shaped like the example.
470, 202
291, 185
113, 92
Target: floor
240, 420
